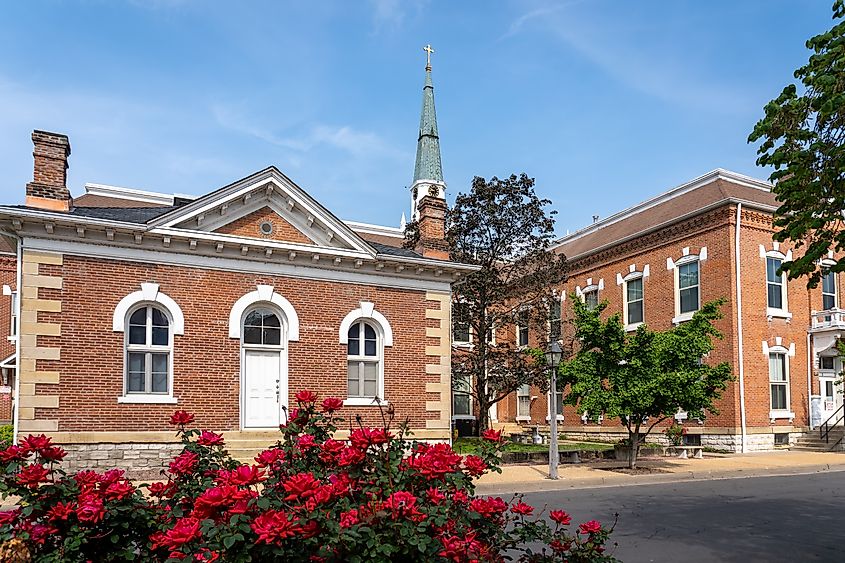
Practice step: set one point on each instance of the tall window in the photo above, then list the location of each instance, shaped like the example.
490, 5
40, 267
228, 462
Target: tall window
523, 401
591, 299
461, 399
13, 329
634, 300
262, 327
775, 284
688, 287
558, 402
779, 381
148, 349
554, 320
522, 328
829, 291
460, 323
363, 359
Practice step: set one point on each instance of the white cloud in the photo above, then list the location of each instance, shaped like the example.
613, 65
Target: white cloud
390, 15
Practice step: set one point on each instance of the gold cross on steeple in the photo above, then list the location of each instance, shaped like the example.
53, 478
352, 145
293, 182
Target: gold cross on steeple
428, 51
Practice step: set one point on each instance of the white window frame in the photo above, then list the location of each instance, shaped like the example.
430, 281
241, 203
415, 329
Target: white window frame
825, 265
149, 294
468, 416
549, 406
783, 310
460, 343
519, 326
522, 392
384, 339
148, 348
556, 301
788, 353
634, 276
590, 288
671, 264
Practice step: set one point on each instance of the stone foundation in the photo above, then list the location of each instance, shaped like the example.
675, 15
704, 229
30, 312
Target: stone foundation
140, 461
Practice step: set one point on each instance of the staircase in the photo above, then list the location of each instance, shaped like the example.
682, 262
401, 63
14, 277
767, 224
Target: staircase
812, 442
244, 446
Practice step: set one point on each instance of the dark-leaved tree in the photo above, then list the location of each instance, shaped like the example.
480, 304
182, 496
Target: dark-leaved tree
504, 228
644, 377
802, 136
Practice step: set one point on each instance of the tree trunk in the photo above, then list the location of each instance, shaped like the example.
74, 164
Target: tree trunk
483, 417
635, 446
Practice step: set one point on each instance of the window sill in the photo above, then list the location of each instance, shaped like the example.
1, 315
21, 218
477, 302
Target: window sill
632, 327
683, 317
463, 417
559, 418
775, 415
462, 344
364, 402
778, 314
148, 399
523, 419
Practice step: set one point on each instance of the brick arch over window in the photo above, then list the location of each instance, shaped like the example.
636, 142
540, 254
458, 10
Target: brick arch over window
149, 293
264, 294
366, 311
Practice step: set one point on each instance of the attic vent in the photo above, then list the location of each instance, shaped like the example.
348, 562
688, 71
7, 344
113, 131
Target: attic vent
266, 228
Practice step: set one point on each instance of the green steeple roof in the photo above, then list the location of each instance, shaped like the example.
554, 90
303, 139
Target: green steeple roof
428, 165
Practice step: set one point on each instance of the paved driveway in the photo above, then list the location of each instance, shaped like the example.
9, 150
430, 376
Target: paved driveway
765, 519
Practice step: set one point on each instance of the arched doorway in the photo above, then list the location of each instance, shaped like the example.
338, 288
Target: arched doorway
263, 367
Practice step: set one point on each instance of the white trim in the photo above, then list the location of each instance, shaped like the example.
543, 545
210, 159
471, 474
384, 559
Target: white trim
783, 311
740, 352
365, 311
6, 361
132, 194
264, 294
781, 414
375, 229
149, 293
523, 419
147, 399
364, 402
148, 348
674, 265
287, 269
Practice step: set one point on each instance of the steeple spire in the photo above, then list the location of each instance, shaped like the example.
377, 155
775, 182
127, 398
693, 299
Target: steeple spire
428, 171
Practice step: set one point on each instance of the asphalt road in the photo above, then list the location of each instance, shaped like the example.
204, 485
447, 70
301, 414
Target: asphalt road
766, 519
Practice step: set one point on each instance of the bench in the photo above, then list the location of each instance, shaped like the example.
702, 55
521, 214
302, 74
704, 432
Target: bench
683, 451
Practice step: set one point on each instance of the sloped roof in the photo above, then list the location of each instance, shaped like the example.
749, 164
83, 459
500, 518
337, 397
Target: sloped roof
719, 187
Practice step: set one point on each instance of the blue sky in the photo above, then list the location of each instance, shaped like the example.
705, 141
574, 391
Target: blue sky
604, 102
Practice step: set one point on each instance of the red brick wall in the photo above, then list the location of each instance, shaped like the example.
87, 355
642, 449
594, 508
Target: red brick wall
206, 360
248, 226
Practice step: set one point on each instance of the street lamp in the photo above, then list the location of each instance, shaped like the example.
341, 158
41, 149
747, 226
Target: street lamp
553, 355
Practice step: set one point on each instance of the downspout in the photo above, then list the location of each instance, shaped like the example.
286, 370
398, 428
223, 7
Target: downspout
741, 355
16, 405
809, 381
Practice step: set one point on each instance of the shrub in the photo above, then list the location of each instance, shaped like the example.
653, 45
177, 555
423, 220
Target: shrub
6, 433
376, 497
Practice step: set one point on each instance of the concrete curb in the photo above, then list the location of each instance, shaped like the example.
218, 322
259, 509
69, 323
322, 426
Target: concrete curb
662, 478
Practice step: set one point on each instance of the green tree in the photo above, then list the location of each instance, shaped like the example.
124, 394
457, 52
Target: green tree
801, 137
503, 227
644, 377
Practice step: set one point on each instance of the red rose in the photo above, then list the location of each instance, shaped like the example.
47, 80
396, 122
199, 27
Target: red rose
91, 509
272, 527
591, 527
492, 435
9, 516
522, 508
331, 404
210, 439
348, 518
560, 517
362, 438
60, 511
119, 490
269, 457
403, 503
13, 453
306, 396
32, 475
474, 465
53, 453
487, 507
213, 499
301, 485
461, 497
161, 489
86, 479
306, 441
36, 443
246, 475
184, 530
181, 418
350, 456
112, 476
435, 495
184, 463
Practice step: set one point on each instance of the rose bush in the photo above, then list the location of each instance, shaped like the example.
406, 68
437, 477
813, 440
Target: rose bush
377, 496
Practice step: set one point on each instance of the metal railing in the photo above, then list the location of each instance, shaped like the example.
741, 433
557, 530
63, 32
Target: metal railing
824, 429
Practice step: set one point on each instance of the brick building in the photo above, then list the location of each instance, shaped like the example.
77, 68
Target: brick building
135, 304
658, 261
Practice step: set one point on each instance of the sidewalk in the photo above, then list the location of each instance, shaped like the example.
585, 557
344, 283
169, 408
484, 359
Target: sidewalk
534, 477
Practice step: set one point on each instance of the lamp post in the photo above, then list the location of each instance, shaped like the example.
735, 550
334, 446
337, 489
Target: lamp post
553, 359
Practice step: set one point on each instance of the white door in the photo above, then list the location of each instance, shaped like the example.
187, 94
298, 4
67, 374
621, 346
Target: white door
831, 396
262, 388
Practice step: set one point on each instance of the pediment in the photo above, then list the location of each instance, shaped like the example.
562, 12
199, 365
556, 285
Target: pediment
240, 209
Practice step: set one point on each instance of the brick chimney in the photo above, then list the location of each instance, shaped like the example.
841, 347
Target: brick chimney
432, 222
48, 189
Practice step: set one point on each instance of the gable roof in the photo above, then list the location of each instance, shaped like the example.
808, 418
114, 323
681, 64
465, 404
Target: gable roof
714, 189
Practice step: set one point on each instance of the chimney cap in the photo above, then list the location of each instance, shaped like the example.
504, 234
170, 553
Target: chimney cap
41, 136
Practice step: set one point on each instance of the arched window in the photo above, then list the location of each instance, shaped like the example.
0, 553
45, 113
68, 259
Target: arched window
262, 327
148, 352
363, 356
